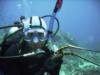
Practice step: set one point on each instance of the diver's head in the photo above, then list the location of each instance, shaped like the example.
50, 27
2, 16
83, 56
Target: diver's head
35, 30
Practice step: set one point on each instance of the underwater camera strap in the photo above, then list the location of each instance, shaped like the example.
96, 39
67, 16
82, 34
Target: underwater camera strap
9, 26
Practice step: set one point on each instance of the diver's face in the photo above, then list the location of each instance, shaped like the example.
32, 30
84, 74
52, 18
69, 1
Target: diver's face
35, 38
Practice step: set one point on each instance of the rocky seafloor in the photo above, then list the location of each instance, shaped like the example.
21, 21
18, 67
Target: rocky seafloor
74, 65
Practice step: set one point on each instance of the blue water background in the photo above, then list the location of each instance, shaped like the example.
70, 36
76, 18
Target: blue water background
80, 18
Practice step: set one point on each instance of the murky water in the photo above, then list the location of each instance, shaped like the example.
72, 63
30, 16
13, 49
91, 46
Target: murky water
79, 21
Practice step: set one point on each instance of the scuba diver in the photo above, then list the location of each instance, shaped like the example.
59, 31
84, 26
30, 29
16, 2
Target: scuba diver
25, 48
30, 40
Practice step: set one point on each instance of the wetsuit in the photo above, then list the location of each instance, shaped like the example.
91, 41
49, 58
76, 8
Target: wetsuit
37, 65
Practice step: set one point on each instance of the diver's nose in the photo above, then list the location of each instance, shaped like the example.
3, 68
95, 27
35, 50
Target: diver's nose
35, 39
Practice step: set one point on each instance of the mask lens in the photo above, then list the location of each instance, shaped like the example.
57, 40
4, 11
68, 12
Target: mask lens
30, 35
41, 36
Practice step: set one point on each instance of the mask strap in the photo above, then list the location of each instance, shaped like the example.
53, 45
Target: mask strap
40, 22
30, 20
